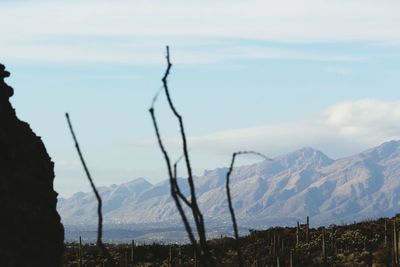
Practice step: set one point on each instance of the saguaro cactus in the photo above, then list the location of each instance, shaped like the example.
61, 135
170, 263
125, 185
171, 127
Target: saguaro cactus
323, 246
132, 251
386, 234
333, 241
195, 258
80, 251
126, 258
170, 257
180, 255
395, 247
308, 229
291, 258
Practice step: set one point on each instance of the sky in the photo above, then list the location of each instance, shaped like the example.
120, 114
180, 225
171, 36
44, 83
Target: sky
271, 76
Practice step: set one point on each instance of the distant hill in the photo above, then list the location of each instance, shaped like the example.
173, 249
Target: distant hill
291, 187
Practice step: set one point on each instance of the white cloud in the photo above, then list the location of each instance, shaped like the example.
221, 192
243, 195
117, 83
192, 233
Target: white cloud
92, 30
287, 20
340, 130
182, 54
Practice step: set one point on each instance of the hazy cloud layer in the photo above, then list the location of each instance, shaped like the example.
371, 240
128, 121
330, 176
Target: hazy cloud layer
340, 130
133, 31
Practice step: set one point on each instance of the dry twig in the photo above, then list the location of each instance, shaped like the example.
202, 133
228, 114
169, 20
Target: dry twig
228, 193
201, 249
99, 201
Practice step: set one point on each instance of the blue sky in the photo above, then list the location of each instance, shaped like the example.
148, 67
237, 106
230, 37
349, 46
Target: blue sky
262, 75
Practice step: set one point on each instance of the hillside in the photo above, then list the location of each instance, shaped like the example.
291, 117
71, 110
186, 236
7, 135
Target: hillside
369, 243
303, 183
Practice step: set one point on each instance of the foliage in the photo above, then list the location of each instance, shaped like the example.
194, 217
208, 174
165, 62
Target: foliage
359, 244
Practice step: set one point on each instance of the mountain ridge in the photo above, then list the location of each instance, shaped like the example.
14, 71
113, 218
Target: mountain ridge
303, 183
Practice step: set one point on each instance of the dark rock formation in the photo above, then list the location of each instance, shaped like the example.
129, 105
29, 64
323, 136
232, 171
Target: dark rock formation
31, 233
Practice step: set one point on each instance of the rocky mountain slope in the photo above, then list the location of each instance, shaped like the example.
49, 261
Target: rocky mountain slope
303, 183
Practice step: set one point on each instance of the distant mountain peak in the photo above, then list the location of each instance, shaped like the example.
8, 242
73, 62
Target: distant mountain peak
390, 145
307, 157
138, 181
384, 150
309, 151
303, 183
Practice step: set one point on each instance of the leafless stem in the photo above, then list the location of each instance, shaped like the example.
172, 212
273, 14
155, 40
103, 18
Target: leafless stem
205, 256
228, 193
172, 183
198, 217
178, 190
153, 102
98, 197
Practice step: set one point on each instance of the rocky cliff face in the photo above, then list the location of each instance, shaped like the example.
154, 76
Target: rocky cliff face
31, 233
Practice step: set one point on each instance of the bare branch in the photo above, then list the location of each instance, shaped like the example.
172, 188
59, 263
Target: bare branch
156, 97
178, 190
172, 183
99, 201
198, 217
228, 193
176, 164
203, 251
251, 152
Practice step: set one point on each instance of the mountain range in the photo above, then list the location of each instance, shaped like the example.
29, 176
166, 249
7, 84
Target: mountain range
303, 183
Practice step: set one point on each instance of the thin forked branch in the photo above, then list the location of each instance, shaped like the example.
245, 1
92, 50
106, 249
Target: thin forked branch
198, 217
100, 244
203, 251
228, 193
172, 182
